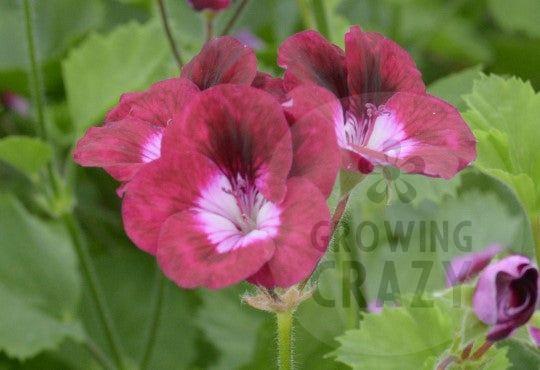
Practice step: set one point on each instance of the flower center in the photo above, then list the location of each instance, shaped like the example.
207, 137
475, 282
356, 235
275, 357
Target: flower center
233, 212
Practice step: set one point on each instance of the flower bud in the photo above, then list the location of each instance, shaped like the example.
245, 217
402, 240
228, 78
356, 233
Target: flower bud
465, 267
209, 4
506, 294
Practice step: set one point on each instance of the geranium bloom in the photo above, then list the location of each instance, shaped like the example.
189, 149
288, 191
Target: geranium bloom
506, 295
382, 114
464, 268
209, 4
233, 197
132, 132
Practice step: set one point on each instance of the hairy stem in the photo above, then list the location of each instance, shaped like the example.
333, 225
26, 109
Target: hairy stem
168, 33
96, 292
284, 332
238, 12
154, 323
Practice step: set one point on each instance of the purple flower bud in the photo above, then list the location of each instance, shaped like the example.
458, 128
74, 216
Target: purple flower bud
534, 332
464, 268
209, 4
506, 294
15, 103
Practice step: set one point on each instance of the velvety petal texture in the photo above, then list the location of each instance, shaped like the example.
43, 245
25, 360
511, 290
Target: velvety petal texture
506, 295
310, 110
209, 4
222, 60
386, 117
220, 206
378, 67
132, 132
309, 57
466, 267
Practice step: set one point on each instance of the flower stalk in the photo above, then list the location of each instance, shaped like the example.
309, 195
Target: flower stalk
66, 212
285, 339
155, 320
238, 12
168, 32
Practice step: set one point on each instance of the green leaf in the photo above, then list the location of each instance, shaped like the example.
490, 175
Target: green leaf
128, 277
517, 15
105, 66
39, 283
58, 25
397, 338
27, 154
231, 326
452, 87
504, 114
404, 247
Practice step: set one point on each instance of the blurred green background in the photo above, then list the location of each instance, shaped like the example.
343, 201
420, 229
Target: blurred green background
91, 51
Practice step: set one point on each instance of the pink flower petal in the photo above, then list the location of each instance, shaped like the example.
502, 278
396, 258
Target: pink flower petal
222, 60
158, 105
120, 147
160, 190
419, 134
209, 4
211, 244
272, 85
296, 254
378, 67
243, 130
312, 111
309, 57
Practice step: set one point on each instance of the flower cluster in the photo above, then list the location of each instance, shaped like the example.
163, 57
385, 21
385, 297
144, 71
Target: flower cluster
225, 170
506, 293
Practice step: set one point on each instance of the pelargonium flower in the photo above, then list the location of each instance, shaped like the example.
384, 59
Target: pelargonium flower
209, 4
382, 113
506, 295
235, 194
132, 132
465, 267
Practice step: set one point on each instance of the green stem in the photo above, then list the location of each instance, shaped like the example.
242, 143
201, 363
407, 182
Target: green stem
95, 288
35, 72
319, 11
209, 20
305, 13
230, 25
154, 323
168, 33
68, 218
535, 224
98, 354
284, 331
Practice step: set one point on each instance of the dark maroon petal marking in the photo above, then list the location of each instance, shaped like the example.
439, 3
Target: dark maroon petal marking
243, 131
378, 67
222, 60
309, 57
